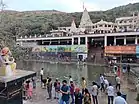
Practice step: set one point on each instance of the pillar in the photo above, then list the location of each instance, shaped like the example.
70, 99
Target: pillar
72, 41
21, 43
105, 40
124, 40
78, 40
136, 40
114, 40
86, 40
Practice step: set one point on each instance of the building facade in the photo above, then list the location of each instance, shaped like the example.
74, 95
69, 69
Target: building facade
123, 32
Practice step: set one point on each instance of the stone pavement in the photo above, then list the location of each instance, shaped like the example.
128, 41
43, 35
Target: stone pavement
40, 95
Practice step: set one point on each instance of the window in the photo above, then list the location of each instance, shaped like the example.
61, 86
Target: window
105, 25
130, 26
109, 25
130, 21
125, 21
93, 27
120, 21
100, 25
120, 27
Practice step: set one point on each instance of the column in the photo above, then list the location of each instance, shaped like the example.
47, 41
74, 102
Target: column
136, 40
78, 40
72, 41
114, 40
124, 40
105, 40
86, 40
21, 43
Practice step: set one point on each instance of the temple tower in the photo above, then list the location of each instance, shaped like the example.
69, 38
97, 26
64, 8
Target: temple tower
73, 26
85, 20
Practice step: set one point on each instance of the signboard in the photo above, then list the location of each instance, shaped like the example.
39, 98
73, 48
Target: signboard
137, 51
120, 49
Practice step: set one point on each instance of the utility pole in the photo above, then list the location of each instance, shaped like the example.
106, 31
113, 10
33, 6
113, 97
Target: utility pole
2, 7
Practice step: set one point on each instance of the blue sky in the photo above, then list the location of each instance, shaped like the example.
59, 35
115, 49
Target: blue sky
64, 5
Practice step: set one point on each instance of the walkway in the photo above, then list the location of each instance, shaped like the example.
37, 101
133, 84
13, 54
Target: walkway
40, 95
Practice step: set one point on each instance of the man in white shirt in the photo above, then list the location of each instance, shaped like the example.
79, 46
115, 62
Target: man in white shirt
118, 83
106, 83
119, 99
95, 93
102, 82
110, 92
70, 79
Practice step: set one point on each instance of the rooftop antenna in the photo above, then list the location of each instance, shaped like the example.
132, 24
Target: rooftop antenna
83, 6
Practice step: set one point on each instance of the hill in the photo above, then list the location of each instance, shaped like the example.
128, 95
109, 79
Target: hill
14, 23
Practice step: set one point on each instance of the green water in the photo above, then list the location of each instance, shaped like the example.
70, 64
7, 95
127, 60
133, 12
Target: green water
90, 72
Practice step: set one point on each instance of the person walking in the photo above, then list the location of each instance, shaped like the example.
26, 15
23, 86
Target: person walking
70, 79
78, 96
118, 83
128, 69
72, 88
102, 82
106, 83
118, 71
49, 88
57, 88
65, 90
95, 93
83, 85
110, 92
119, 99
87, 97
41, 73
34, 82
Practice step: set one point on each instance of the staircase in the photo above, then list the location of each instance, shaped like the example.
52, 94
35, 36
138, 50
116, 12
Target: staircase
96, 51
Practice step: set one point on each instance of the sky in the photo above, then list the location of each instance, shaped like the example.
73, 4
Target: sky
64, 5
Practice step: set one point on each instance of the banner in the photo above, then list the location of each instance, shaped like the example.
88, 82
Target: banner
36, 49
64, 48
120, 49
61, 48
79, 48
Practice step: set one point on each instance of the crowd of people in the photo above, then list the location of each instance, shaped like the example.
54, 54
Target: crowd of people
66, 92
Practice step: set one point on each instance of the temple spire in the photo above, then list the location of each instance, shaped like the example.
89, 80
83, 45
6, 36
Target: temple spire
73, 26
85, 20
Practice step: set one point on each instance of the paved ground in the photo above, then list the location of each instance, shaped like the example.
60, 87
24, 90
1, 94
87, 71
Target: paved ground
40, 95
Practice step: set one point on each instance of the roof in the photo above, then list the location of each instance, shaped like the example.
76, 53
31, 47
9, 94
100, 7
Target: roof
103, 22
125, 18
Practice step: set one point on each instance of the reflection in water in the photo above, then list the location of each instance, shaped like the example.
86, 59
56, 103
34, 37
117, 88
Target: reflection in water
91, 73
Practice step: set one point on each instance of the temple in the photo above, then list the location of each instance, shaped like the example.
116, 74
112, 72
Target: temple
90, 38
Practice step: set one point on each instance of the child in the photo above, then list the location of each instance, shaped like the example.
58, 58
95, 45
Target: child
29, 89
34, 83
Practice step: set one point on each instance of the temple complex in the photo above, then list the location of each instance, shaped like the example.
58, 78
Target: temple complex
90, 38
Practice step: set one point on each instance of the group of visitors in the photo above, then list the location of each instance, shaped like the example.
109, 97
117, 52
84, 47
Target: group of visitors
67, 90
28, 87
